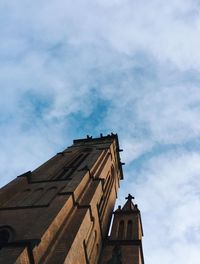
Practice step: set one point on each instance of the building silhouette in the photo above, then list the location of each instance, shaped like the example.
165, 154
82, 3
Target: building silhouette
61, 212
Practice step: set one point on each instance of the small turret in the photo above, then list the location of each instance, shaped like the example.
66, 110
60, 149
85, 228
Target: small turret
125, 241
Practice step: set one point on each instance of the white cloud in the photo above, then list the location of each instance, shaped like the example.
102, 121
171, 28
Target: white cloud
142, 58
133, 148
169, 199
171, 112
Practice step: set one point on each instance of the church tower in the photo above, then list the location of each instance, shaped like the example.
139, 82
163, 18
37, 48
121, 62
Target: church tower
124, 245
61, 212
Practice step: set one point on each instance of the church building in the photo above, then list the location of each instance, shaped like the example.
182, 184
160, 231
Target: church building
61, 212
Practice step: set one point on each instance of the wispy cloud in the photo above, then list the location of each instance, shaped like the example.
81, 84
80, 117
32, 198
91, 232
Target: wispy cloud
73, 68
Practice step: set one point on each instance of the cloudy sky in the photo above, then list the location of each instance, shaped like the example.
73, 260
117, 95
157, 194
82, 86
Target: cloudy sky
71, 68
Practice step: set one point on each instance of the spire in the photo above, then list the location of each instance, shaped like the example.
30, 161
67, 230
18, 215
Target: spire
129, 205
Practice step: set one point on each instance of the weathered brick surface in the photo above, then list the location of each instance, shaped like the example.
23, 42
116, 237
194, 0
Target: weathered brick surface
63, 208
10, 255
129, 254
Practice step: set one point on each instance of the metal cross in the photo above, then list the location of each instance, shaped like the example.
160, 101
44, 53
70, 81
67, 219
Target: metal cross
130, 197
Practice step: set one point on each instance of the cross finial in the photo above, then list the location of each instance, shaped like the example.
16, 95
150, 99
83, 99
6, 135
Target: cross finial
130, 197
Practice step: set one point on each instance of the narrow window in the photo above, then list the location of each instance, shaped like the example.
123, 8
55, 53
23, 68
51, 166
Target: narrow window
121, 230
129, 234
68, 170
112, 171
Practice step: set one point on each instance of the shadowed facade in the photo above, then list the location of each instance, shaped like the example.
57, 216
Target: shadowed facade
61, 212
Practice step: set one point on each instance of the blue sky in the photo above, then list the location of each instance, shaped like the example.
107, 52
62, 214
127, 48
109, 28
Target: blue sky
71, 68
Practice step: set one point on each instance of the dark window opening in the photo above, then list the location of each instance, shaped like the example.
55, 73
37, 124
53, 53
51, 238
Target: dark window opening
130, 230
69, 170
6, 235
121, 230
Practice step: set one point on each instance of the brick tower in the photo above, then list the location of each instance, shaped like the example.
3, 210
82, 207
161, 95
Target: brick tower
61, 212
124, 245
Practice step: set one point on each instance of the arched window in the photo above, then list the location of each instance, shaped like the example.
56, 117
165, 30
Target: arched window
17, 198
6, 234
33, 197
22, 197
129, 233
46, 198
69, 169
121, 230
